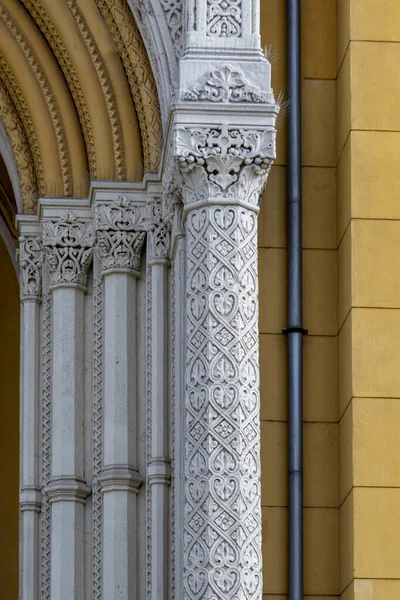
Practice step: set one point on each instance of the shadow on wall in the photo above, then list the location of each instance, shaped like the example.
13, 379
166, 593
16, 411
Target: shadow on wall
9, 426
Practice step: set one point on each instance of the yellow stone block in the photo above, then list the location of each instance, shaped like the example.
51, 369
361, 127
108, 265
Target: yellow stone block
372, 20
321, 551
376, 533
273, 377
321, 464
344, 191
320, 382
319, 208
375, 352
346, 452
320, 378
376, 456
375, 86
319, 123
275, 550
375, 174
344, 102
345, 276
273, 464
320, 291
342, 30
272, 290
376, 589
272, 220
345, 364
346, 545
376, 263
319, 39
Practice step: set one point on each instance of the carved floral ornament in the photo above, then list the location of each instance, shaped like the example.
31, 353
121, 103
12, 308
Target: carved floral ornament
227, 84
30, 264
68, 246
224, 163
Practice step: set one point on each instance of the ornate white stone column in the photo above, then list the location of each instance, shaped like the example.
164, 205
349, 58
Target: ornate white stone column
223, 170
120, 233
30, 264
68, 246
159, 467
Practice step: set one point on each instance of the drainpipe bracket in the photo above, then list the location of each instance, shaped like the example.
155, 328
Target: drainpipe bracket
288, 330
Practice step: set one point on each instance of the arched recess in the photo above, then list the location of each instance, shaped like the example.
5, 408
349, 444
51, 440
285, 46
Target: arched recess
78, 99
9, 425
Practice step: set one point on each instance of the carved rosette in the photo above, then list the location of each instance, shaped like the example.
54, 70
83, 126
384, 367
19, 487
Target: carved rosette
223, 171
227, 84
30, 265
121, 231
159, 229
224, 163
68, 244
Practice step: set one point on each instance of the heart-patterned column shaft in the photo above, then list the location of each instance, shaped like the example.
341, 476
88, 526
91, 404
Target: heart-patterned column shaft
223, 172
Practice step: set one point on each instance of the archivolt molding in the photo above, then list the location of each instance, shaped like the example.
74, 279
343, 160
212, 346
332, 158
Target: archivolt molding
21, 105
48, 95
21, 150
107, 89
141, 80
50, 32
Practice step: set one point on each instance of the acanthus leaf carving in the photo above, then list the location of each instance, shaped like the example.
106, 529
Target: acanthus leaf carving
121, 231
68, 246
231, 164
30, 264
227, 84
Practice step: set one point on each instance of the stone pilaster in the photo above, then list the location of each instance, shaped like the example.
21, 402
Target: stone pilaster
68, 243
223, 170
121, 235
30, 265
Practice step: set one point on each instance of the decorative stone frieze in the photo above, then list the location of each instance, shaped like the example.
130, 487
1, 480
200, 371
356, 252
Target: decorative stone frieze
30, 267
227, 84
68, 246
227, 164
120, 234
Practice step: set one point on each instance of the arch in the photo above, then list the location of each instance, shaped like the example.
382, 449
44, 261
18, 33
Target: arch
78, 98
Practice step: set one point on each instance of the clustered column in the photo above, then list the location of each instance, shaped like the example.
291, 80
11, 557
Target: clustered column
120, 235
68, 247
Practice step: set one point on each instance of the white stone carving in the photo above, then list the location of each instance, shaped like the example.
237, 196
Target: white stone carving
224, 18
120, 234
68, 246
174, 17
159, 225
222, 530
229, 164
30, 267
227, 84
97, 497
46, 447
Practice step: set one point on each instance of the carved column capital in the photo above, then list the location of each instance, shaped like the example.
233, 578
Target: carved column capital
30, 265
223, 164
159, 229
121, 231
68, 246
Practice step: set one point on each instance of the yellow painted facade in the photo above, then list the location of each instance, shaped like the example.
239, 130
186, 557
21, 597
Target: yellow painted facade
351, 262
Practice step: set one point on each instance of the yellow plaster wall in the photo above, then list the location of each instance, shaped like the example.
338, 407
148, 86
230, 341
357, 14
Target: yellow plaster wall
321, 432
368, 151
9, 427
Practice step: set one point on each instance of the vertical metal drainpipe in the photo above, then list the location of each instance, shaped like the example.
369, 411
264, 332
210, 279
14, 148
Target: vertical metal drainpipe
294, 331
